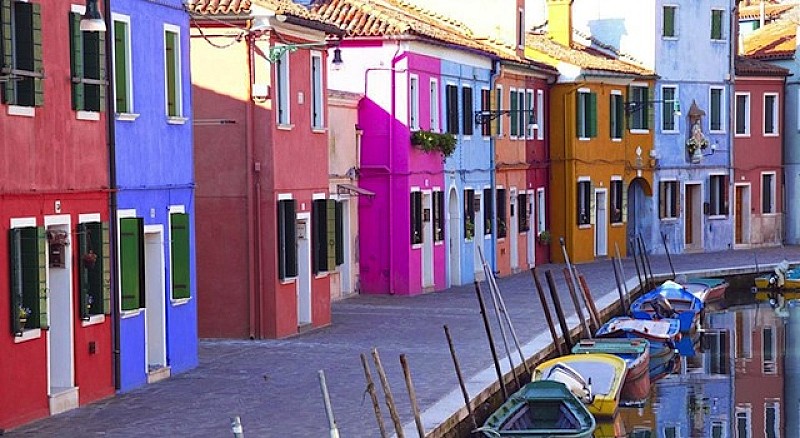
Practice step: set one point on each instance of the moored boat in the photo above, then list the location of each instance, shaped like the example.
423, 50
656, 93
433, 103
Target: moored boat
541, 409
781, 278
669, 300
707, 290
635, 353
595, 378
661, 335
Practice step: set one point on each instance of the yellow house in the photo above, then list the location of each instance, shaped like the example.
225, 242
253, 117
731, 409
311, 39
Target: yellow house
601, 135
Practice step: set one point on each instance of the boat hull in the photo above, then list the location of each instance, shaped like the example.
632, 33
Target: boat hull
662, 337
636, 354
670, 300
708, 290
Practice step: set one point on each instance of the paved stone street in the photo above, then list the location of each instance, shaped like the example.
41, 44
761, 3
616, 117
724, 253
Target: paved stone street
273, 385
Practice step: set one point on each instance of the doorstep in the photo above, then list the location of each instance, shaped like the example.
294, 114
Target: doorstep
63, 400
158, 374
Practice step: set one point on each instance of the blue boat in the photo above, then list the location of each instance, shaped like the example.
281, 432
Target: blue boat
662, 335
670, 300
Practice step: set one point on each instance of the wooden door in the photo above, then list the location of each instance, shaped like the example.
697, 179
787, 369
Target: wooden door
739, 227
688, 226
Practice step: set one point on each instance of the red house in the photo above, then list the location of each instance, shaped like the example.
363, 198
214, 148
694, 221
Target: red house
758, 107
266, 226
56, 332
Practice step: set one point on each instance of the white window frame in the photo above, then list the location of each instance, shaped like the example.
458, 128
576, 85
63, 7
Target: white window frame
578, 203
721, 129
317, 92
512, 91
721, 25
413, 102
434, 104
540, 114
488, 122
541, 211
522, 121
126, 19
674, 21
675, 118
712, 214
178, 73
769, 367
466, 118
746, 132
775, 118
530, 128
582, 112
777, 405
773, 204
630, 117
622, 102
282, 96
499, 99
676, 194
745, 410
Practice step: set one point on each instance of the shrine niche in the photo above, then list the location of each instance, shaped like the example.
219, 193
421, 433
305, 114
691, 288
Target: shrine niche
697, 141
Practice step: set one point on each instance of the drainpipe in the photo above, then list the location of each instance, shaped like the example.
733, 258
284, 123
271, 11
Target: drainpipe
253, 211
732, 49
112, 198
492, 171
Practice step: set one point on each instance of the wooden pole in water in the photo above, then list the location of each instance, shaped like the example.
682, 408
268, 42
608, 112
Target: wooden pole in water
651, 282
412, 395
587, 295
460, 377
387, 392
572, 280
562, 321
669, 258
549, 317
488, 329
634, 245
376, 406
622, 303
622, 277
587, 331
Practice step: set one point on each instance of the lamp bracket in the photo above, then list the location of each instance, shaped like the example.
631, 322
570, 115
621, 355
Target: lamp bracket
276, 52
483, 117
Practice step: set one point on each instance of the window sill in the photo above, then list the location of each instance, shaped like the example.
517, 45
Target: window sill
284, 127
617, 224
723, 41
744, 135
289, 280
174, 120
22, 111
439, 243
616, 140
716, 132
487, 236
321, 275
125, 314
639, 131
416, 245
670, 132
180, 301
466, 137
91, 116
584, 139
127, 117
669, 38
584, 226
717, 217
28, 335
669, 219
93, 320
771, 134
319, 130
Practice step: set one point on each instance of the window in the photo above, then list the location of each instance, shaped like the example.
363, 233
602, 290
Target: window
180, 253
718, 200
772, 419
499, 104
488, 212
616, 201
716, 24
521, 115
521, 28
123, 82
469, 214
584, 200
501, 213
742, 422
524, 213
668, 203
668, 117
670, 432
486, 103
668, 28
768, 349
586, 114
95, 274
323, 239
21, 29
744, 339
742, 114
451, 95
438, 215
318, 94
87, 66
172, 59
716, 116
416, 218
413, 102
282, 88
640, 115
768, 193
434, 105
540, 114
515, 107
616, 116
27, 273
540, 211
467, 105
287, 239
717, 429
770, 114
339, 222
530, 119
131, 262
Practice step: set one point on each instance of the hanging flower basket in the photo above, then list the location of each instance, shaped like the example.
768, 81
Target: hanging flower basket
89, 259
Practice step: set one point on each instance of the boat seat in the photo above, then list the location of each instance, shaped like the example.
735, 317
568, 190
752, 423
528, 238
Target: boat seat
662, 307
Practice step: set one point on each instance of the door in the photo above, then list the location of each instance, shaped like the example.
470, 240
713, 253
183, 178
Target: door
688, 234
514, 230
532, 227
739, 214
693, 227
454, 239
155, 297
601, 224
346, 268
303, 269
427, 240
478, 238
60, 334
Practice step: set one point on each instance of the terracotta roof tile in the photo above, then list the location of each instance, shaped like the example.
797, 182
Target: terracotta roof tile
582, 56
773, 41
771, 11
753, 67
219, 7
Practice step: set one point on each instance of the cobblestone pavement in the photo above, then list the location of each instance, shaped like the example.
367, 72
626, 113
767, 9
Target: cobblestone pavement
273, 386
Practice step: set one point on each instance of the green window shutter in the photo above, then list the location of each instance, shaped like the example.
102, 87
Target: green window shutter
102, 74
592, 212
9, 87
38, 63
649, 113
130, 259
669, 21
592, 115
92, 69
105, 257
170, 40
331, 234
319, 235
76, 62
339, 233
624, 205
83, 272
180, 247
716, 25
287, 239
514, 119
37, 280
15, 276
121, 66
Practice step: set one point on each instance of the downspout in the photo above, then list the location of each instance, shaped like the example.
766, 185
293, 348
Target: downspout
391, 155
492, 170
733, 48
112, 198
253, 212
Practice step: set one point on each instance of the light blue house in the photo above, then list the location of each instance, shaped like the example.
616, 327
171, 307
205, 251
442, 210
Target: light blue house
469, 172
691, 51
155, 190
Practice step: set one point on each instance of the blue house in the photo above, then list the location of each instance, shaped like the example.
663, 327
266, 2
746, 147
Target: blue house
155, 191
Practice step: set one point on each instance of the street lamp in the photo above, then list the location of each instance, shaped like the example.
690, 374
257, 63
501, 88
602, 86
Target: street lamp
635, 105
92, 21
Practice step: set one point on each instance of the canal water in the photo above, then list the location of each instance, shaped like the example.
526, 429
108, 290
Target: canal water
743, 382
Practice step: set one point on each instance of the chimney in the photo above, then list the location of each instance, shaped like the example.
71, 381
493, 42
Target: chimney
559, 21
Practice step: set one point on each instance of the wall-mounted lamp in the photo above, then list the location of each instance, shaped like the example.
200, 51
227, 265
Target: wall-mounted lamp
635, 105
92, 21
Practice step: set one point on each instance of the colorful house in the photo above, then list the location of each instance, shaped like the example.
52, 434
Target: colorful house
265, 231
755, 14
600, 139
758, 153
57, 346
155, 202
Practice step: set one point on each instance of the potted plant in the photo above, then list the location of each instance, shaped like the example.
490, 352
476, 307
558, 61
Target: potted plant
89, 259
544, 237
434, 142
469, 229
23, 313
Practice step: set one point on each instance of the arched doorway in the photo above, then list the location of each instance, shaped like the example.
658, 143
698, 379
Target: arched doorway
453, 220
639, 209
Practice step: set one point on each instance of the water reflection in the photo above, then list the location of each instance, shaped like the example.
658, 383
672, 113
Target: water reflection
734, 386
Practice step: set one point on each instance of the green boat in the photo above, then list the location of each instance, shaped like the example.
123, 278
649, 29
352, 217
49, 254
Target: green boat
543, 408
